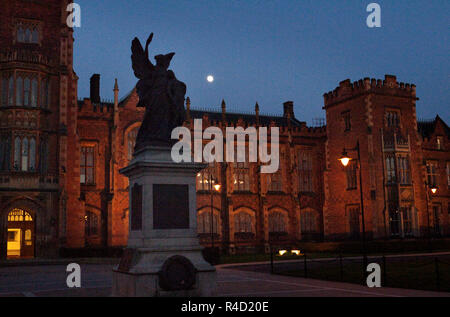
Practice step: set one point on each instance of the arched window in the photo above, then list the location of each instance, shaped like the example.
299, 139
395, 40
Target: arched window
20, 35
43, 156
19, 91
204, 223
32, 154
243, 222
4, 100
34, 93
277, 222
27, 36
26, 92
35, 36
17, 143
25, 154
11, 91
308, 222
45, 93
17, 215
5, 153
205, 176
131, 141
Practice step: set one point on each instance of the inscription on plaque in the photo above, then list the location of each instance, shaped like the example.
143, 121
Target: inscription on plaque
136, 208
170, 206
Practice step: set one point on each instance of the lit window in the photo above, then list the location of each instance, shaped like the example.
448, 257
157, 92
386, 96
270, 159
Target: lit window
241, 177
205, 176
87, 165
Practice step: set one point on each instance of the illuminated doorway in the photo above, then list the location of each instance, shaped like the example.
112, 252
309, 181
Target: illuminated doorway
20, 234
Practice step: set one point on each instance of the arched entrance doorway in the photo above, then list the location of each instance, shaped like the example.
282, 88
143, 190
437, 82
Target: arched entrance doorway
21, 234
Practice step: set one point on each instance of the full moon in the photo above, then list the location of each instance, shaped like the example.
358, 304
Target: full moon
210, 78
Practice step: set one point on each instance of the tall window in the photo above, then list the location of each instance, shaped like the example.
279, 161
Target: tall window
440, 143
43, 156
243, 223
353, 219
277, 222
87, 165
276, 182
5, 152
448, 174
404, 174
391, 175
23, 90
407, 221
90, 224
241, 174
305, 167
351, 175
45, 93
204, 177
131, 141
25, 154
204, 223
347, 121
392, 119
432, 173
308, 221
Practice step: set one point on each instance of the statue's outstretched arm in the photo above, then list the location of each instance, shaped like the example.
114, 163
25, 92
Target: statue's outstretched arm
149, 40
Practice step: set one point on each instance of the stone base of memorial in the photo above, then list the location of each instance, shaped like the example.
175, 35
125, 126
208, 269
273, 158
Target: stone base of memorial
163, 257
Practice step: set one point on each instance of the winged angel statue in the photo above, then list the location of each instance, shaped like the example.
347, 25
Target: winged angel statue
160, 93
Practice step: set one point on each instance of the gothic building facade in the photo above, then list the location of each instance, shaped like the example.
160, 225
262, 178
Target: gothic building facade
60, 156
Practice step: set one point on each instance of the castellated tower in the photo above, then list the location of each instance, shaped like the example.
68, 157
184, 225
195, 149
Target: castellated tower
381, 116
37, 127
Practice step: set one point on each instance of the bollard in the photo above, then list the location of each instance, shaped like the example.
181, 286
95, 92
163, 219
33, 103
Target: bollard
305, 267
271, 260
436, 265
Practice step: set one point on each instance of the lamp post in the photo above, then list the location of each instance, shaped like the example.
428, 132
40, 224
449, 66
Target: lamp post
345, 160
433, 189
217, 189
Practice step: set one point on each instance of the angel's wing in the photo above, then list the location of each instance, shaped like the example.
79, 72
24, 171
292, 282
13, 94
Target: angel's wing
141, 64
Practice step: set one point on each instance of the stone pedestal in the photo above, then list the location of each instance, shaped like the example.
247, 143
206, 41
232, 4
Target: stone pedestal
164, 256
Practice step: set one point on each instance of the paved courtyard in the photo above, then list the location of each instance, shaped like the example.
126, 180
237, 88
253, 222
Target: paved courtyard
50, 280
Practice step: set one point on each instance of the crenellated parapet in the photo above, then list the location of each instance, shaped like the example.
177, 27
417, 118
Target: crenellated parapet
388, 86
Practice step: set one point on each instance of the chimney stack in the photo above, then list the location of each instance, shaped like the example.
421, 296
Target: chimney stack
289, 109
95, 88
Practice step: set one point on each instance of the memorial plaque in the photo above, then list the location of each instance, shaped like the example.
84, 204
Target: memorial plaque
170, 206
136, 208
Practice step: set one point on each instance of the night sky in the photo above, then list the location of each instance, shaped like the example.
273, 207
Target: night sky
270, 51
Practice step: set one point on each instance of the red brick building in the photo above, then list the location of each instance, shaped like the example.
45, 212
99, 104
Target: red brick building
60, 157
